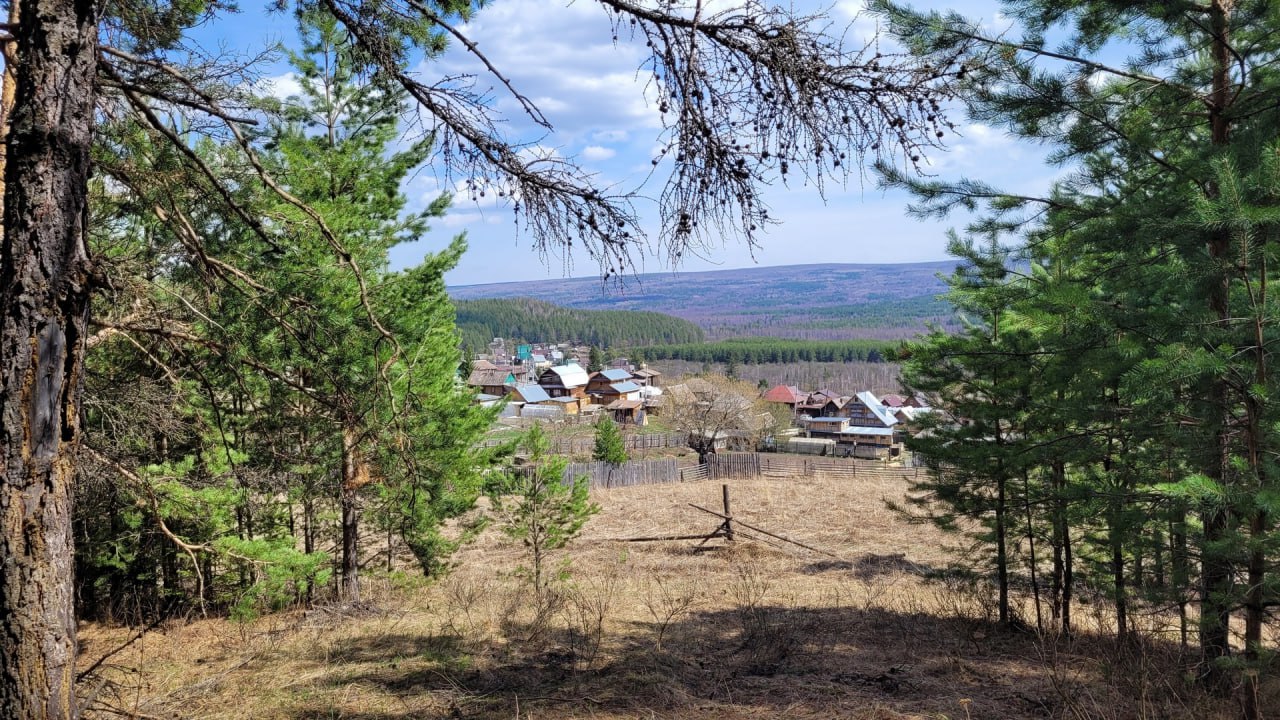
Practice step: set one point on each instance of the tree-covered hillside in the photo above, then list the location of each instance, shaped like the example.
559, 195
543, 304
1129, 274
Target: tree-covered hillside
774, 350
536, 321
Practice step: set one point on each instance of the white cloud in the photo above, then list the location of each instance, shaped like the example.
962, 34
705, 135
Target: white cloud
597, 153
280, 87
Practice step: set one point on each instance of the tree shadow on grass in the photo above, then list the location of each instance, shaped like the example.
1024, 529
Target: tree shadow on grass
872, 566
772, 659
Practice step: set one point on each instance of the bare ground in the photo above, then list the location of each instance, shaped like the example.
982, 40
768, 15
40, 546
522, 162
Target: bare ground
671, 629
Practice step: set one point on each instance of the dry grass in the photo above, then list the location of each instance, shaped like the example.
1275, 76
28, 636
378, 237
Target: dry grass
661, 630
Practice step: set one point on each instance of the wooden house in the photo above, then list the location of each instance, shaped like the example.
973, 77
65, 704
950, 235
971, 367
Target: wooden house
599, 381
617, 391
529, 394
568, 404
645, 377
492, 381
821, 403
866, 410
564, 381
628, 411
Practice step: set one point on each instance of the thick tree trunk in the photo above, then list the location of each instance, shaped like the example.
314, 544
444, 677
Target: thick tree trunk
44, 304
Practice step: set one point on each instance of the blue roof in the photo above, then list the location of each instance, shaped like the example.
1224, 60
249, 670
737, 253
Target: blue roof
615, 374
625, 387
829, 419
859, 430
532, 393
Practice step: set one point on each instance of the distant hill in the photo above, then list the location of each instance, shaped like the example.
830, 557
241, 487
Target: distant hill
538, 321
815, 302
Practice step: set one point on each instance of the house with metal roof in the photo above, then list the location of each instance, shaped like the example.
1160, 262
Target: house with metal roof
530, 394
600, 381
564, 380
851, 440
866, 410
616, 391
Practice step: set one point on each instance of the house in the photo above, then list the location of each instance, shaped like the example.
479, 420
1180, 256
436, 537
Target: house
529, 394
628, 411
617, 391
645, 377
492, 381
568, 404
788, 395
603, 379
853, 440
893, 401
821, 403
564, 380
826, 427
869, 442
866, 410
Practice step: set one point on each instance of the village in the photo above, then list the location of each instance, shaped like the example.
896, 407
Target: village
552, 383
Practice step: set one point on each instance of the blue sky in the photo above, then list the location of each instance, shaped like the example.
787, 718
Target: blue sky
562, 56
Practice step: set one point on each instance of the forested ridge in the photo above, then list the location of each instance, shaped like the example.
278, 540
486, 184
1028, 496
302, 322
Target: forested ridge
530, 320
774, 350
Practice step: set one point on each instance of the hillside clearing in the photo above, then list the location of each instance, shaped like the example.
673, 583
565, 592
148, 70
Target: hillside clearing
661, 630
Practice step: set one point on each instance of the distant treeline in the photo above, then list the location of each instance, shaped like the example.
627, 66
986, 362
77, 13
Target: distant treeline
531, 320
774, 350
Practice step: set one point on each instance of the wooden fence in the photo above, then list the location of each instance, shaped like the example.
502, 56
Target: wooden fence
578, 445
729, 466
725, 466
646, 472
585, 444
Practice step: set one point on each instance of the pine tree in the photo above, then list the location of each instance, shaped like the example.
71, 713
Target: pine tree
609, 446
544, 510
1147, 140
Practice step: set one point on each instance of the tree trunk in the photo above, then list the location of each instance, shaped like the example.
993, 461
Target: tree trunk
44, 301
1061, 547
1002, 552
355, 474
1216, 572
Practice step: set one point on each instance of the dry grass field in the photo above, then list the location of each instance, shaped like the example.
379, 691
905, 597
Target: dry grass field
661, 630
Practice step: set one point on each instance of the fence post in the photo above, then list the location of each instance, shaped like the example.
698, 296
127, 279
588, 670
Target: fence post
728, 514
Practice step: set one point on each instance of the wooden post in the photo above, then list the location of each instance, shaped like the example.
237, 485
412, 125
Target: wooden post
728, 523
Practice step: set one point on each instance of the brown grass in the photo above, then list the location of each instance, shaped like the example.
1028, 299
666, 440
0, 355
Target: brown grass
661, 630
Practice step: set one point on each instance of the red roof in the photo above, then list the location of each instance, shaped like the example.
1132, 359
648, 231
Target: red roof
893, 401
789, 394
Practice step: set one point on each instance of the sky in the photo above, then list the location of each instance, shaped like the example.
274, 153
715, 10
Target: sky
562, 56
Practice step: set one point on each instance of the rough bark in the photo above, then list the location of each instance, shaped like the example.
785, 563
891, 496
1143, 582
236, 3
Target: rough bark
44, 304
